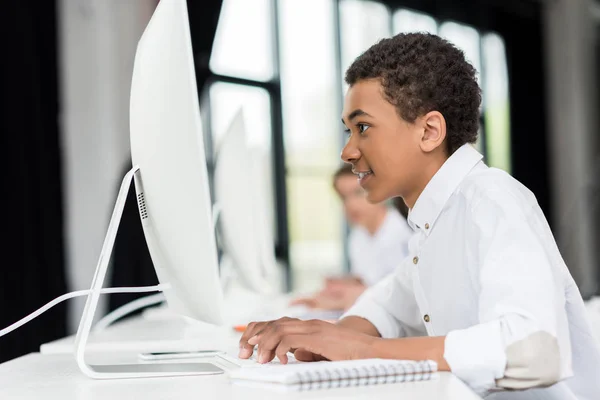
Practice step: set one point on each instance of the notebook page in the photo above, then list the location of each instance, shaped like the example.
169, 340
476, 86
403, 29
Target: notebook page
369, 370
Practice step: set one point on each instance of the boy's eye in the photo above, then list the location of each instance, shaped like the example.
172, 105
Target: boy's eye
361, 129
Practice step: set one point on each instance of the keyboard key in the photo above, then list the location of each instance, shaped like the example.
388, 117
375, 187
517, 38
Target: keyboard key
232, 357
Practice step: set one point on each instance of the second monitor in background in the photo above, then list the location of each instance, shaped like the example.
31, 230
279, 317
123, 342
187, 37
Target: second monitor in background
245, 225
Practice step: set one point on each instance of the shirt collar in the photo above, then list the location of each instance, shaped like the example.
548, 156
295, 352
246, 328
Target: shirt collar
430, 203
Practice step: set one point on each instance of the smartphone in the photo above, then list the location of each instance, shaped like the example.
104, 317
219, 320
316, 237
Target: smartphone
177, 355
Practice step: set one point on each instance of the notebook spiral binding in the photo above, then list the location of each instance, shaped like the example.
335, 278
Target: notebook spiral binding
365, 375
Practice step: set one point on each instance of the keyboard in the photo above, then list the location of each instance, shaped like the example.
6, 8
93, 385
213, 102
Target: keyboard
232, 357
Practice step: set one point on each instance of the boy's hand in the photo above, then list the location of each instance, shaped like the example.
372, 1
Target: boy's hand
313, 340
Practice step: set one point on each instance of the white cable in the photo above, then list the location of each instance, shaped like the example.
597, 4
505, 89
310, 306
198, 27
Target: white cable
67, 296
128, 308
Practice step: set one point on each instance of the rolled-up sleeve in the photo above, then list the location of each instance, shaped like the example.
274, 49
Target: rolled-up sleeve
521, 307
375, 305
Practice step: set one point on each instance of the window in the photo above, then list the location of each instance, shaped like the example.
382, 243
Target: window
406, 21
468, 40
362, 23
465, 38
496, 102
245, 65
243, 44
225, 100
310, 121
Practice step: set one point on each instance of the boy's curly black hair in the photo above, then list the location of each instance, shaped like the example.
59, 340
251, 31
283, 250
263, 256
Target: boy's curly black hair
421, 72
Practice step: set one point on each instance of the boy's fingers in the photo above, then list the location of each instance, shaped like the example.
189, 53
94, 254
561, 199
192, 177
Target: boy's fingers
247, 349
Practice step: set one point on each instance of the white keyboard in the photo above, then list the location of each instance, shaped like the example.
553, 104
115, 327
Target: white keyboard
232, 357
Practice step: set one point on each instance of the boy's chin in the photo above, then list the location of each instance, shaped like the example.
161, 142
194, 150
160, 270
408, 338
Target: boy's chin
375, 196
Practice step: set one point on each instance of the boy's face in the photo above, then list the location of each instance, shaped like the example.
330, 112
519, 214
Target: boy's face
382, 147
357, 209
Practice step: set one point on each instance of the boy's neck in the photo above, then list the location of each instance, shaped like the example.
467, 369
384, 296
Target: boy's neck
431, 168
374, 224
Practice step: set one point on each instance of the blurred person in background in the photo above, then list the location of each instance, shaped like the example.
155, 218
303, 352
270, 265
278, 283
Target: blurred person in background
377, 243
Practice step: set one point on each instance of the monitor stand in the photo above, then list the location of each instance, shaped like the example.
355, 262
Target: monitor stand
116, 371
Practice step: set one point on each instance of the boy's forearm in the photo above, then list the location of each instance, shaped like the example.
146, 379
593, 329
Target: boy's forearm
415, 348
360, 325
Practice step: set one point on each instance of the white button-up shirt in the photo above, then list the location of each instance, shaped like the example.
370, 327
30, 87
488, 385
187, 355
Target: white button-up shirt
484, 271
373, 257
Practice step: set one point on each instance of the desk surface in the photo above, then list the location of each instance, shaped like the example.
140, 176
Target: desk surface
56, 376
158, 329
53, 373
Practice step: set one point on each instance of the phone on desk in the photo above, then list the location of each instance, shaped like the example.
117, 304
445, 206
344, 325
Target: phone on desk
177, 355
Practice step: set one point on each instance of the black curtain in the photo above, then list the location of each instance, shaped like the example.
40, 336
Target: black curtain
131, 262
32, 264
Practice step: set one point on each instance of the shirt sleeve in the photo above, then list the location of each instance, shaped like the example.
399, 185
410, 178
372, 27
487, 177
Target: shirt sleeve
521, 309
376, 305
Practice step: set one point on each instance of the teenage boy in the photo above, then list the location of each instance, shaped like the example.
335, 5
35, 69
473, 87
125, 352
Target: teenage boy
484, 291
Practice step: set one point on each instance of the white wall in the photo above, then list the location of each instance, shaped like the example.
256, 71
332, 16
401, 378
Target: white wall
97, 42
573, 128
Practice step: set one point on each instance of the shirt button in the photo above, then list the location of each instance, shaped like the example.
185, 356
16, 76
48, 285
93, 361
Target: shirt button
426, 226
415, 260
426, 318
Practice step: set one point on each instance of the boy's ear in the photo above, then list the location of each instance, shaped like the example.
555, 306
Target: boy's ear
434, 131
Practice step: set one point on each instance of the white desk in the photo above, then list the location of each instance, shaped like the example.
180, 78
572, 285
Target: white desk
140, 335
41, 377
158, 329
53, 373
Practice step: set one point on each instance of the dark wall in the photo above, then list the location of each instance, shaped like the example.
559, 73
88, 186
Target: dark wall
32, 267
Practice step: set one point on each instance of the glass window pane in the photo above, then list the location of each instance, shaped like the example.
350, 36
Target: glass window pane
226, 99
243, 45
308, 80
362, 24
465, 38
311, 122
406, 21
497, 104
316, 249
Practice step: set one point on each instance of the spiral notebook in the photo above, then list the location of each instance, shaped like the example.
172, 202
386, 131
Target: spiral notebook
323, 375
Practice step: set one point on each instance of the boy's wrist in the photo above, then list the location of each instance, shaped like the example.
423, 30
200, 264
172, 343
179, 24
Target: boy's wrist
418, 348
378, 348
368, 347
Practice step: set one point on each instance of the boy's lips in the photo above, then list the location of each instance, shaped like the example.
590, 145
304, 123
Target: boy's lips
361, 175
364, 177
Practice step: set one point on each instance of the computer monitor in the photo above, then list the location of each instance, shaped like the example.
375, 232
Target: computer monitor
245, 229
171, 182
172, 186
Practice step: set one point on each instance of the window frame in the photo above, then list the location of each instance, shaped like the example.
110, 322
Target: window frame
273, 88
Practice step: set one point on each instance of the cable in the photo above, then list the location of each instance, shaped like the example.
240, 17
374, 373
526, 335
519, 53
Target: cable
128, 308
78, 293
